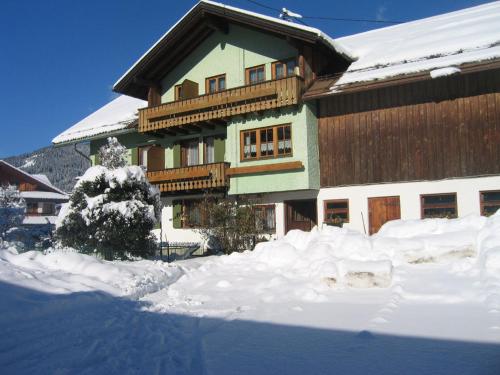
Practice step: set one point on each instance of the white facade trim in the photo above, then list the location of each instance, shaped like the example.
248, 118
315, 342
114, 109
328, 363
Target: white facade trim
467, 190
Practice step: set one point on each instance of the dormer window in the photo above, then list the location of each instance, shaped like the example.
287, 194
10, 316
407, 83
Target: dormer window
255, 74
215, 84
283, 69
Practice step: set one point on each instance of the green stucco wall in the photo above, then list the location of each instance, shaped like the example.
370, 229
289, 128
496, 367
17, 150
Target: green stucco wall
227, 53
304, 147
231, 53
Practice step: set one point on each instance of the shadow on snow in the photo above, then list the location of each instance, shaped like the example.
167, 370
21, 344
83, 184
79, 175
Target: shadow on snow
95, 333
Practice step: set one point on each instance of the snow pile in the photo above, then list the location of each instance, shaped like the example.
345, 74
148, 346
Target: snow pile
66, 271
342, 257
115, 116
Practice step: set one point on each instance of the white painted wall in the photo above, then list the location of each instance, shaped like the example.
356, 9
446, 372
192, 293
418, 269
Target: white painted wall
467, 190
171, 234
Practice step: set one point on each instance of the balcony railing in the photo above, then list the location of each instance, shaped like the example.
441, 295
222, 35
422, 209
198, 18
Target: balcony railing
236, 101
196, 177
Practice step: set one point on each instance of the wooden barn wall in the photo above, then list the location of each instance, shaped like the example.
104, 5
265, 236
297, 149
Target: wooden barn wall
434, 129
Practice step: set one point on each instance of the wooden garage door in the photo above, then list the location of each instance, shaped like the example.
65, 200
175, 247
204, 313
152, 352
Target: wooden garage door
381, 210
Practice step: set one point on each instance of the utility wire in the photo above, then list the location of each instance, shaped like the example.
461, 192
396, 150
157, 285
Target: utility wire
325, 18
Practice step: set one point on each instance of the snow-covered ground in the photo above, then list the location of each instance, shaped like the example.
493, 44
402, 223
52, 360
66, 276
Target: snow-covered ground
420, 297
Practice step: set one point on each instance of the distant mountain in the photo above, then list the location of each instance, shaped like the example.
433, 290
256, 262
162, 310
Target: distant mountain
61, 165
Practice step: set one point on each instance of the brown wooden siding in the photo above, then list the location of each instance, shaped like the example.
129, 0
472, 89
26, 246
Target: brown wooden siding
434, 129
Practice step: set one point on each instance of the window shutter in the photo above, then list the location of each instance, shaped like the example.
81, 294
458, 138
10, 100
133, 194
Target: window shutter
219, 149
177, 155
97, 159
156, 159
134, 156
176, 214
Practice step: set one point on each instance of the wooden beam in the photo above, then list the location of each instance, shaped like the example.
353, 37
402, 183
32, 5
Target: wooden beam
157, 134
217, 24
276, 167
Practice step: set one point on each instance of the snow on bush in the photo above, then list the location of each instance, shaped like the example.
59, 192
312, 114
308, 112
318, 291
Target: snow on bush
12, 209
112, 212
113, 155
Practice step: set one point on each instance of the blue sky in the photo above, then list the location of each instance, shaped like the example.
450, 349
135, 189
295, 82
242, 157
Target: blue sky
59, 58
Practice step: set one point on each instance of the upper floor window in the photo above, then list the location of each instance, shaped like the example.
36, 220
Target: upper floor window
439, 205
151, 158
283, 69
190, 152
215, 84
268, 142
178, 95
490, 202
255, 74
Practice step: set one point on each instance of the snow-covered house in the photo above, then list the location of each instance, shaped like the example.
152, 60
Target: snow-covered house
398, 122
43, 200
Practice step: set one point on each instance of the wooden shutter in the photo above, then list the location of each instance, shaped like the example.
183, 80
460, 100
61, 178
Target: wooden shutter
219, 149
97, 159
189, 89
154, 96
177, 155
134, 153
176, 214
156, 159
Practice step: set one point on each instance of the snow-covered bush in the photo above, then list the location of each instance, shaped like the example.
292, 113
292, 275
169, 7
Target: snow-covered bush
12, 209
113, 155
111, 212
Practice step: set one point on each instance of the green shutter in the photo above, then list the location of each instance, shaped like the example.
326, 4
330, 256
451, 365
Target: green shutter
219, 149
134, 156
176, 214
97, 159
177, 155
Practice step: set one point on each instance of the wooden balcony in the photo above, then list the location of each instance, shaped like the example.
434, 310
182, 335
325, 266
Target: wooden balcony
221, 105
196, 177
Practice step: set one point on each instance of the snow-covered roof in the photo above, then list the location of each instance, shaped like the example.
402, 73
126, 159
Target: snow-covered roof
115, 116
41, 178
223, 10
43, 195
447, 40
38, 220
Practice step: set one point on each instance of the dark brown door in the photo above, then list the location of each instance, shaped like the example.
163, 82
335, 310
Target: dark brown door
300, 214
381, 210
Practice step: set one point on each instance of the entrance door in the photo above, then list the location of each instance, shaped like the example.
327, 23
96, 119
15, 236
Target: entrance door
381, 210
300, 214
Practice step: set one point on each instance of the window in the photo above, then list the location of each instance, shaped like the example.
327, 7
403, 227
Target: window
439, 205
191, 214
283, 69
265, 218
31, 208
215, 84
178, 95
272, 142
490, 202
151, 158
209, 156
143, 156
190, 154
255, 74
337, 211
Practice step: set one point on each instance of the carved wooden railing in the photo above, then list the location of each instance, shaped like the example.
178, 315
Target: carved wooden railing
196, 177
240, 100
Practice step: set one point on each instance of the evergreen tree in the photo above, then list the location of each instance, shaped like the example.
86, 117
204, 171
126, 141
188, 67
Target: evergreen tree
113, 155
112, 210
12, 209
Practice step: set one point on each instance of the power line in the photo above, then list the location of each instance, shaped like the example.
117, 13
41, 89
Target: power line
325, 18
351, 19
